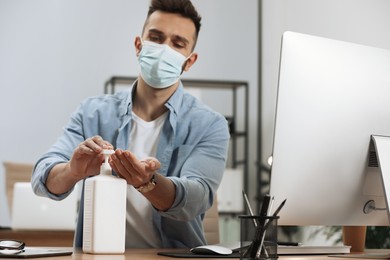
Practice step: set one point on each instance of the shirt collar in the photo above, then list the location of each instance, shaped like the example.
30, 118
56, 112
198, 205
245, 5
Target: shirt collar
127, 101
173, 103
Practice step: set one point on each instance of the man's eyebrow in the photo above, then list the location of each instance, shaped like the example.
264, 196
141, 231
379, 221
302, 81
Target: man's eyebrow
176, 37
183, 39
156, 31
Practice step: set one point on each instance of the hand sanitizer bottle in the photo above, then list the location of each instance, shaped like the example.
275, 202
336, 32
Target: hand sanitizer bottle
104, 230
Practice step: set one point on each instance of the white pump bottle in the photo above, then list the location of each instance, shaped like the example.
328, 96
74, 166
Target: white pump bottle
104, 230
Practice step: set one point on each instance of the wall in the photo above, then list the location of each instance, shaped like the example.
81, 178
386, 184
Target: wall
53, 54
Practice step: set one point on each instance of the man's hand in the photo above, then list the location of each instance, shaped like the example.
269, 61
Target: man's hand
135, 172
86, 161
139, 172
87, 158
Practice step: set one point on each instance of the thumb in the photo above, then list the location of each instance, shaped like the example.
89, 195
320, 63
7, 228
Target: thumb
152, 163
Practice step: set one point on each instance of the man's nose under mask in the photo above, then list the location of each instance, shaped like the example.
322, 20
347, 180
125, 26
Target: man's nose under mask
160, 65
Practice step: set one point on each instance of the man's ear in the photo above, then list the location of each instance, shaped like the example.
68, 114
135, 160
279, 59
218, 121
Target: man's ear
190, 61
137, 45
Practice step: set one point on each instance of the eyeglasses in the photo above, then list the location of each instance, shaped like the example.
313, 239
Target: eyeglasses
11, 247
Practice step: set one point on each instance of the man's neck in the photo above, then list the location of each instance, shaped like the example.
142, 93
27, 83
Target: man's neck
149, 103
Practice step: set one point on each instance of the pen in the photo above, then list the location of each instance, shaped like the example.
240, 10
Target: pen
279, 208
276, 212
270, 205
258, 242
266, 226
249, 207
285, 243
265, 206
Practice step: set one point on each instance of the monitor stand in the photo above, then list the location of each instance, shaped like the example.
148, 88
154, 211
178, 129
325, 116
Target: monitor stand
382, 148
355, 235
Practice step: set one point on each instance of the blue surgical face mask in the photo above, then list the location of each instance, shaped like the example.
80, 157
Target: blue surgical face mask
160, 65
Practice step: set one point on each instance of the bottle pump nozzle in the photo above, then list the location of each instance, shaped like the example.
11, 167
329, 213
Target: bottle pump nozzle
105, 169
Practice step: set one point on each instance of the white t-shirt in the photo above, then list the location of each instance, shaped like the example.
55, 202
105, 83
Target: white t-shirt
139, 226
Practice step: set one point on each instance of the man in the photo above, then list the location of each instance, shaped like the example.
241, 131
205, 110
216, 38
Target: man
170, 148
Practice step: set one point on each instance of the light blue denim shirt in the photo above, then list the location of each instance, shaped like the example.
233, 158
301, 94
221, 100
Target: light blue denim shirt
192, 150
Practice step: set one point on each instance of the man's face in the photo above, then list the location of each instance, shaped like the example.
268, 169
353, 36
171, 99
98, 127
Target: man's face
172, 29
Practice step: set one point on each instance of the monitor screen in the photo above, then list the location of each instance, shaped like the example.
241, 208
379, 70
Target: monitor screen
332, 96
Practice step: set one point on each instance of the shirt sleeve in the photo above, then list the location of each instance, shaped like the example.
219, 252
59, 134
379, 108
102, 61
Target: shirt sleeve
202, 165
60, 152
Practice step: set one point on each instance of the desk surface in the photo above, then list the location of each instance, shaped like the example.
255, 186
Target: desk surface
151, 254
40, 237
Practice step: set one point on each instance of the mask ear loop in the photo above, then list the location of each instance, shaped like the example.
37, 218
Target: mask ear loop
142, 43
185, 63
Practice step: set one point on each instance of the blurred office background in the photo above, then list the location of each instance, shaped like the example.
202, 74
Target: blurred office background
55, 53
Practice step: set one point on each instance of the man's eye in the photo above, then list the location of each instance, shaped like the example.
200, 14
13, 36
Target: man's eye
154, 38
179, 45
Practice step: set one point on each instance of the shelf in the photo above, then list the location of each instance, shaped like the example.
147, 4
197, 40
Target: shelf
216, 84
110, 87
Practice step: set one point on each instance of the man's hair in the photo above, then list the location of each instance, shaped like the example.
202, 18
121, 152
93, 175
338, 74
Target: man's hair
182, 7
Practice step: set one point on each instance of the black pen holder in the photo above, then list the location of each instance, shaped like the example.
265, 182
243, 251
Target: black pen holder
259, 236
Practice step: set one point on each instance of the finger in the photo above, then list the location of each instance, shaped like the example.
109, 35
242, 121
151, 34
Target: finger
103, 143
83, 149
115, 169
136, 164
108, 146
120, 175
125, 159
125, 172
98, 144
94, 143
118, 166
132, 167
152, 163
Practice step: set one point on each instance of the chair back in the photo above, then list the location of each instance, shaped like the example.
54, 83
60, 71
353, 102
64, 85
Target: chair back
15, 172
211, 224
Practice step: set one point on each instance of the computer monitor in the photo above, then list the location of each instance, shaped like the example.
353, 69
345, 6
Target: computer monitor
332, 96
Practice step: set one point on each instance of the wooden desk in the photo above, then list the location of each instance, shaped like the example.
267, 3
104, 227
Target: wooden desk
42, 238
151, 254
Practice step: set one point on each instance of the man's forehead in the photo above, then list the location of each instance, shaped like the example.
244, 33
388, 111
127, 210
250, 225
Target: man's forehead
171, 24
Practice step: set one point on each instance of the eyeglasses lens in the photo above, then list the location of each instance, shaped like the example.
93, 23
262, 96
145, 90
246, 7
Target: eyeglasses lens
10, 247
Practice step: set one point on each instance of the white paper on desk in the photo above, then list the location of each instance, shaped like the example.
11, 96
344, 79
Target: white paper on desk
298, 250
365, 256
311, 250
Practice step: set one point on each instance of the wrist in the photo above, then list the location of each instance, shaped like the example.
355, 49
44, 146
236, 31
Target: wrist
70, 175
149, 186
59, 179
